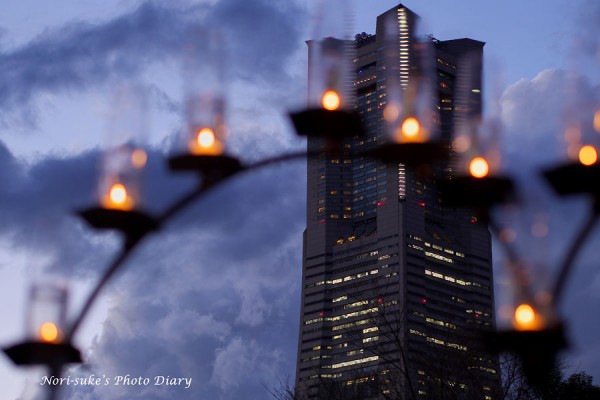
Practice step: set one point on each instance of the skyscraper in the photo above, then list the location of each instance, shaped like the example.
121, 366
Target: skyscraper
395, 285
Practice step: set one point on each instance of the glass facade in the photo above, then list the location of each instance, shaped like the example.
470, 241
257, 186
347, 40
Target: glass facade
395, 286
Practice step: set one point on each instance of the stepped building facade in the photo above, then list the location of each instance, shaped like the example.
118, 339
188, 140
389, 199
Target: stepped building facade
396, 286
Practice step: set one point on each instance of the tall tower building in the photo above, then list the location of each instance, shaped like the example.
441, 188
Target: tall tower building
395, 286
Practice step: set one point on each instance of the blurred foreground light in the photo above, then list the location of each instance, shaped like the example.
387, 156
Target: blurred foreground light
461, 143
206, 138
49, 332
46, 312
479, 167
205, 101
139, 158
391, 112
410, 127
588, 155
526, 318
331, 100
205, 143
118, 198
411, 130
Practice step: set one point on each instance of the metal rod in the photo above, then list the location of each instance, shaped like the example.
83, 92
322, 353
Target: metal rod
112, 269
132, 241
569, 261
303, 154
514, 264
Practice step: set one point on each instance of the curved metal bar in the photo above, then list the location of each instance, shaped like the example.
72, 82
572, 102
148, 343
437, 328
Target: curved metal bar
53, 390
277, 159
510, 251
112, 269
183, 202
514, 264
132, 242
569, 261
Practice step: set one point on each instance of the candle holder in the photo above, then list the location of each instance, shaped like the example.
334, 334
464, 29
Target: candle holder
203, 141
477, 181
45, 327
331, 100
47, 312
579, 171
119, 185
119, 194
411, 135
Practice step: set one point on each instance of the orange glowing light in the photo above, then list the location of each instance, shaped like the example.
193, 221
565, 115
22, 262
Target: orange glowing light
205, 138
461, 143
539, 229
588, 155
508, 235
597, 121
118, 194
479, 167
206, 143
525, 317
49, 332
411, 128
139, 158
391, 112
331, 100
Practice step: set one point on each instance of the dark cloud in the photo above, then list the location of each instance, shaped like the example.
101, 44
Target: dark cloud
263, 36
588, 29
81, 54
213, 295
38, 206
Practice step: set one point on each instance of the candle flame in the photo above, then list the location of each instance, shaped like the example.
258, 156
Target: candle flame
588, 155
139, 158
205, 137
526, 318
49, 332
118, 198
331, 100
118, 194
479, 167
206, 143
411, 128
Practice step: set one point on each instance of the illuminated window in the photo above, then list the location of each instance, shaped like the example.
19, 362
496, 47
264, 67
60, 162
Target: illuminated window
439, 257
355, 352
370, 339
353, 362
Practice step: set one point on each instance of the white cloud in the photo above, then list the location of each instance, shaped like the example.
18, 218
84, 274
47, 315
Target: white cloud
242, 361
535, 113
186, 324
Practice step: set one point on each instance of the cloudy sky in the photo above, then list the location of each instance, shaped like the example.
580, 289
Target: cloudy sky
215, 297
